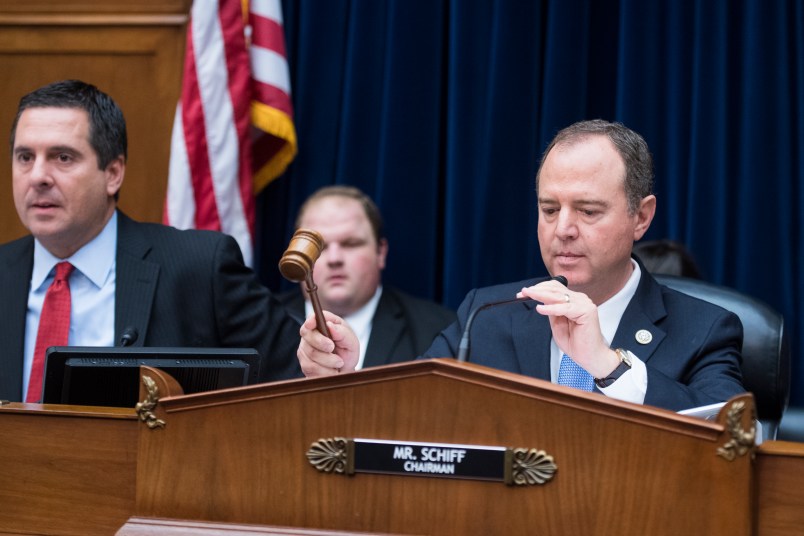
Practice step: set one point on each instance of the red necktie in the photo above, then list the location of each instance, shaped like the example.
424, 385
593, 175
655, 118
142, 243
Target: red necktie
54, 327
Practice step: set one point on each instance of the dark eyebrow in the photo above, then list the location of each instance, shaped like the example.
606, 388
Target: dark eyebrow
63, 149
50, 150
577, 203
590, 202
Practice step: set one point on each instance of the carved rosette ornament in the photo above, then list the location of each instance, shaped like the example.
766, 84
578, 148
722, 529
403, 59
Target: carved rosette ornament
145, 409
330, 455
530, 467
741, 441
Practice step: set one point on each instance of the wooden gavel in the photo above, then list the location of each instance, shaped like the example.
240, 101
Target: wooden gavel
297, 264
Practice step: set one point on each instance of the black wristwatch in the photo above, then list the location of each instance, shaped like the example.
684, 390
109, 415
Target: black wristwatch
622, 368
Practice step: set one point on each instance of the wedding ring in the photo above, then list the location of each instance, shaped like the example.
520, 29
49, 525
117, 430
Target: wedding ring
566, 298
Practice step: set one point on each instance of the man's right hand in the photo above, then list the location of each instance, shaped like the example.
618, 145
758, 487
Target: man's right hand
321, 356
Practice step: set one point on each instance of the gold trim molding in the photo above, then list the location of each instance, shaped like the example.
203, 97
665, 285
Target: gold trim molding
741, 441
145, 409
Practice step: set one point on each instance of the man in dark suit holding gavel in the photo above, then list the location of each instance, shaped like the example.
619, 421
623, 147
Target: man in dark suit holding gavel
613, 329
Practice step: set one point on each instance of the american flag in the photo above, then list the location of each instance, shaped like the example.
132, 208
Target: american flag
233, 130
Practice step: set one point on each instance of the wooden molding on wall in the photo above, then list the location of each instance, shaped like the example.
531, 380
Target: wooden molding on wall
63, 10
133, 50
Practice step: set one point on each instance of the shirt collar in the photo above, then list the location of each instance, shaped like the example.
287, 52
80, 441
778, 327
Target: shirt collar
95, 259
360, 320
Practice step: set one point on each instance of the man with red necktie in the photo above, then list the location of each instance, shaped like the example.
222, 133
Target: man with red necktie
170, 287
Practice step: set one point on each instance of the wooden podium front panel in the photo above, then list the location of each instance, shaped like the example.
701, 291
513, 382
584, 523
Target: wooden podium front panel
622, 469
66, 470
780, 499
131, 49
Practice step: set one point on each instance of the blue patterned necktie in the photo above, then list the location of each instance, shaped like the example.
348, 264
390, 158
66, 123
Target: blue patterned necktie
572, 374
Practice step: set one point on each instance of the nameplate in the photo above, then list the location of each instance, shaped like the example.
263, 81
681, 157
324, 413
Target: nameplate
440, 460
429, 459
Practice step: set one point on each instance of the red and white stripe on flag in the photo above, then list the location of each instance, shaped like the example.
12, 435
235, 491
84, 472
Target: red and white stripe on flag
274, 139
210, 181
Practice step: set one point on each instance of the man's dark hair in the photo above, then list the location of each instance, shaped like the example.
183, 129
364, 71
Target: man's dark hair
350, 192
632, 147
107, 126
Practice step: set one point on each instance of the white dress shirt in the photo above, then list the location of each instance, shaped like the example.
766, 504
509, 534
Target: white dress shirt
92, 286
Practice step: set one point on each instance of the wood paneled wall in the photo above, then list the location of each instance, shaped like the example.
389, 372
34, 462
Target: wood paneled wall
131, 49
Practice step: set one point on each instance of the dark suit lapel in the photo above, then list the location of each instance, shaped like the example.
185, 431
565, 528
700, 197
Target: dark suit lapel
638, 331
386, 330
15, 280
136, 280
531, 335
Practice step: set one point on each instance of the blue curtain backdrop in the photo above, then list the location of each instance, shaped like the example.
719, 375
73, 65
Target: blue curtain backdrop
440, 110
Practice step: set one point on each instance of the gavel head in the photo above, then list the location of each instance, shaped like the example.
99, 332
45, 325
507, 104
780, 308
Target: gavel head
298, 260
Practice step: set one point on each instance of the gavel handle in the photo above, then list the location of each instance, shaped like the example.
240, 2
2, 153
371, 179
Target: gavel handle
312, 291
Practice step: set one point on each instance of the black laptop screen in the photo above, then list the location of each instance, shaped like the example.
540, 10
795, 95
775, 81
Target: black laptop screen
93, 376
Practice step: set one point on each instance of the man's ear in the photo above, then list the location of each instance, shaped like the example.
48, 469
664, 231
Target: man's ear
115, 173
644, 216
382, 253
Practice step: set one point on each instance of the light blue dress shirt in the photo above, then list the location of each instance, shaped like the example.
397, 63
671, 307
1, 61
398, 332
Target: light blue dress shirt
92, 286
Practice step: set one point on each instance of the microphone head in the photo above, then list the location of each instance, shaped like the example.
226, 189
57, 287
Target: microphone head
129, 336
561, 279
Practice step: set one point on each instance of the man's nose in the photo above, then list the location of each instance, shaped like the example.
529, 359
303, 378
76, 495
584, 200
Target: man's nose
333, 254
566, 224
40, 173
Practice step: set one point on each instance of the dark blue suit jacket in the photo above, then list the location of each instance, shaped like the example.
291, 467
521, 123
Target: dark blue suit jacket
177, 288
692, 360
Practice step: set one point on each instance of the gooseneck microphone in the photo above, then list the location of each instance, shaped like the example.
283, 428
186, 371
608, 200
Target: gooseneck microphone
129, 336
463, 346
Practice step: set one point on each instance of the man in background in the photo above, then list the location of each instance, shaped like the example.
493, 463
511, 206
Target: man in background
613, 330
87, 274
667, 257
390, 325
